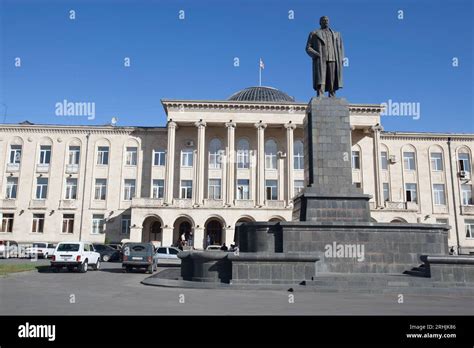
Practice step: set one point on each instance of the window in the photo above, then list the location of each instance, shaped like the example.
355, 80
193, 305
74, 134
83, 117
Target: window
298, 186
41, 188
173, 251
469, 228
12, 188
214, 188
45, 154
386, 191
7, 223
74, 155
38, 223
187, 158
271, 188
158, 188
215, 154
131, 156
438, 194
100, 193
103, 155
464, 162
384, 160
355, 159
410, 191
436, 161
466, 194
68, 223
243, 154
442, 221
126, 223
129, 189
270, 154
71, 188
98, 222
409, 160
186, 191
298, 155
159, 157
15, 154
243, 191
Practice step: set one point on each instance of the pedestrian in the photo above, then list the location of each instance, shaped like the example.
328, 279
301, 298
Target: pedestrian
224, 247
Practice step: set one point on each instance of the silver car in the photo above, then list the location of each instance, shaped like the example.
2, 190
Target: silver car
168, 255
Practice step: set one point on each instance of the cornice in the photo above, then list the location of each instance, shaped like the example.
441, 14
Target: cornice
55, 129
426, 136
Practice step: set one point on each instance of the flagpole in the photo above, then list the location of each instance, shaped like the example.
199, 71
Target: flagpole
260, 74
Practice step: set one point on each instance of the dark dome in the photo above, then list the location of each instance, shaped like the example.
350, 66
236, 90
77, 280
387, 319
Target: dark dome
261, 94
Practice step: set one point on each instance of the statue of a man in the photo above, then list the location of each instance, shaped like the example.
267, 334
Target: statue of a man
325, 47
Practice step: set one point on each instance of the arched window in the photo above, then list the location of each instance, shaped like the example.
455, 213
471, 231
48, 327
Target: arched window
243, 154
270, 154
298, 155
214, 154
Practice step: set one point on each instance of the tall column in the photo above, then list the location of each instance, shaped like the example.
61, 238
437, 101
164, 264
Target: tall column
170, 154
290, 127
230, 196
260, 163
378, 169
200, 161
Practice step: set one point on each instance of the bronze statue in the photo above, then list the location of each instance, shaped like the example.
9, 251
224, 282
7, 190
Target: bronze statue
325, 47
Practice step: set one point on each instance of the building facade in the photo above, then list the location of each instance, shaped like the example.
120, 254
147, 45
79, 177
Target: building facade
215, 164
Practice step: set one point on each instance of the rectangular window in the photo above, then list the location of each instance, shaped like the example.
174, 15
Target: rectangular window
214, 188
243, 159
466, 194
41, 188
469, 228
98, 222
442, 221
409, 160
38, 223
187, 158
45, 154
243, 191
71, 189
131, 156
464, 162
12, 188
103, 155
298, 161
186, 191
7, 222
126, 223
436, 161
129, 189
270, 160
271, 188
74, 155
100, 193
384, 160
15, 154
386, 191
298, 186
439, 194
159, 158
410, 192
158, 188
355, 160
68, 223
215, 160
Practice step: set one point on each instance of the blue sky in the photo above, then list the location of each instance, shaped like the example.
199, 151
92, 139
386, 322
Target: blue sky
408, 60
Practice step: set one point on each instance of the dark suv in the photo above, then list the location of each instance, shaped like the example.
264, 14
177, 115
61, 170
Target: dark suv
139, 255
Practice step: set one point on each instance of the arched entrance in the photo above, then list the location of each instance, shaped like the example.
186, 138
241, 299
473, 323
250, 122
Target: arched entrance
242, 219
183, 232
214, 231
276, 219
152, 230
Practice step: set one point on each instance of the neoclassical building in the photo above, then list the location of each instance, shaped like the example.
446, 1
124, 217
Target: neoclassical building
217, 163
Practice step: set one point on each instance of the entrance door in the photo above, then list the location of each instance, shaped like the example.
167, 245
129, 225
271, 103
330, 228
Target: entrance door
214, 233
155, 230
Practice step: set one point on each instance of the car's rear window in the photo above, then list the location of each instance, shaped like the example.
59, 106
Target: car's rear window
68, 247
161, 250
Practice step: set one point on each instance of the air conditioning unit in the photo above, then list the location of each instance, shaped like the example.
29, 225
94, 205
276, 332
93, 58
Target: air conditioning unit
392, 159
190, 143
464, 174
281, 154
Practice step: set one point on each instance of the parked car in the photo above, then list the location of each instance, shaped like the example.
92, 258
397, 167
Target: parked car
40, 250
115, 246
139, 255
107, 253
213, 247
168, 255
8, 248
75, 255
